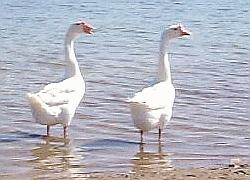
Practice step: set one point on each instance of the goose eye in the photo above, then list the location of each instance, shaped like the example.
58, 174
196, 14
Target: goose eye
175, 29
79, 23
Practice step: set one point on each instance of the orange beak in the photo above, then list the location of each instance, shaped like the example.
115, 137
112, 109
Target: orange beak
87, 28
185, 33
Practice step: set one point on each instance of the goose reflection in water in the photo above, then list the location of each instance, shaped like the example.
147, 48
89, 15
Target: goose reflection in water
55, 159
145, 161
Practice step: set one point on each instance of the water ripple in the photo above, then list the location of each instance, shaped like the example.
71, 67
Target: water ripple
210, 123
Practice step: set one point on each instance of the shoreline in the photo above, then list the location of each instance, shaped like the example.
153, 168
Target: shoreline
227, 172
241, 172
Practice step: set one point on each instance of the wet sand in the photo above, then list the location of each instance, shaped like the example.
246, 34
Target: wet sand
236, 173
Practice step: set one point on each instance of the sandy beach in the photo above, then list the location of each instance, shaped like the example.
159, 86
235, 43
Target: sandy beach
236, 173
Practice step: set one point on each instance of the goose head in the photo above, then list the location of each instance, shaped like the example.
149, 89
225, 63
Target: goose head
78, 28
176, 31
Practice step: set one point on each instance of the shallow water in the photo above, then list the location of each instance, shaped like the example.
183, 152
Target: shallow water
210, 72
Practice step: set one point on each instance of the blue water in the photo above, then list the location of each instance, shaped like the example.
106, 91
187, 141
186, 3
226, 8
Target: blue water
210, 71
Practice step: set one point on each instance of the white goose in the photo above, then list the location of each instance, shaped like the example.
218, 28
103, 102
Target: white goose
56, 103
152, 107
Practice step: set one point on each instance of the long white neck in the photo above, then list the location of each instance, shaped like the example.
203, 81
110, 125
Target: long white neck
72, 67
164, 73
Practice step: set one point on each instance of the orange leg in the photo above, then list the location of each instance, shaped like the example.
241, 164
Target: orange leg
65, 133
141, 136
48, 127
159, 134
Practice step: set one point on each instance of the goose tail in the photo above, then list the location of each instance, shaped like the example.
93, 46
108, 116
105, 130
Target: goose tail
35, 101
40, 110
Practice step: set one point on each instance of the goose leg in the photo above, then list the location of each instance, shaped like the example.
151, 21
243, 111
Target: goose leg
159, 138
65, 133
48, 127
141, 135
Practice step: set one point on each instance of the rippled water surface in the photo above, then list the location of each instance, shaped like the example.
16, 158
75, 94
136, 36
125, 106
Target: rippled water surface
210, 72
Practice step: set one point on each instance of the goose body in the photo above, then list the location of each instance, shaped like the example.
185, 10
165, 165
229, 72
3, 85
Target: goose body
56, 103
151, 108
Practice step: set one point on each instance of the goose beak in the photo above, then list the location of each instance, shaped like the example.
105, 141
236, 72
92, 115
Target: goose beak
185, 32
87, 28
91, 30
